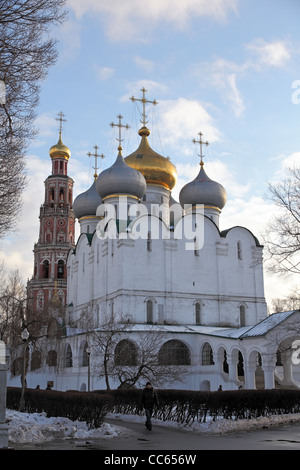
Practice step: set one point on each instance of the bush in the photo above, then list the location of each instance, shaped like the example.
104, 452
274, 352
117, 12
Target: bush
180, 406
81, 406
188, 406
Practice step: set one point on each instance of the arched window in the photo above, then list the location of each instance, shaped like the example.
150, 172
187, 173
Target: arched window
242, 315
45, 269
174, 352
36, 360
69, 357
83, 355
197, 313
126, 353
51, 358
239, 250
149, 308
60, 269
207, 355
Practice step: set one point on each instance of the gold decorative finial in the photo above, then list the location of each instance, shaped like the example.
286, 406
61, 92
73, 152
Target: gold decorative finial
144, 101
96, 156
61, 119
201, 142
120, 125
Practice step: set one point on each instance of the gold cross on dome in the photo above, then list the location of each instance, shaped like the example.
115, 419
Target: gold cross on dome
96, 156
201, 142
144, 101
61, 119
120, 125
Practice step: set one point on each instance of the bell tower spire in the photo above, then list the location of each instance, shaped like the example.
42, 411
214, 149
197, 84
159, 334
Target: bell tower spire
57, 232
60, 153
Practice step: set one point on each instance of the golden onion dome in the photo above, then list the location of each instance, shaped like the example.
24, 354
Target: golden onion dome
155, 168
60, 150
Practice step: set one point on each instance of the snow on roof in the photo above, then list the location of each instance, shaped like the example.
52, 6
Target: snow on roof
268, 324
261, 329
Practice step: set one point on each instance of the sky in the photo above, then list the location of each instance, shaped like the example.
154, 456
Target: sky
227, 68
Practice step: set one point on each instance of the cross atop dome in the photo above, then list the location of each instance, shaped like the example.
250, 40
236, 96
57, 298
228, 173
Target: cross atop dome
61, 119
96, 156
201, 142
120, 125
144, 101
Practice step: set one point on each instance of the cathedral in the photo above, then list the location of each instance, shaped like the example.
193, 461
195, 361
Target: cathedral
154, 268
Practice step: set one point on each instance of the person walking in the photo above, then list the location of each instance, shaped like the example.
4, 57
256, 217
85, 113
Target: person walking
149, 399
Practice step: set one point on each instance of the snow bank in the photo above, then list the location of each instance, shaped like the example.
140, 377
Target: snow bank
36, 427
220, 425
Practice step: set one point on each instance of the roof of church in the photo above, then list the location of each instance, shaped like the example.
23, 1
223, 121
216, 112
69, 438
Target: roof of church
261, 329
267, 324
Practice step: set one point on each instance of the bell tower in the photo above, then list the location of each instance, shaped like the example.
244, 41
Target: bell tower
56, 234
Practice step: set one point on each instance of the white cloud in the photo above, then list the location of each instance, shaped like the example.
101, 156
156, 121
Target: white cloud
125, 20
270, 54
104, 73
224, 75
180, 121
147, 65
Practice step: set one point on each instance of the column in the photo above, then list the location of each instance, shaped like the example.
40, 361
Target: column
269, 375
249, 371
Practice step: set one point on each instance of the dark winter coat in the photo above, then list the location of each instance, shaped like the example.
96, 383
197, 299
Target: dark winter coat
149, 398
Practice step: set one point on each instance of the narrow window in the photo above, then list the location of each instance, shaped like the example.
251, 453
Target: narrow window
242, 315
149, 306
60, 269
207, 355
239, 250
196, 248
198, 313
149, 242
45, 269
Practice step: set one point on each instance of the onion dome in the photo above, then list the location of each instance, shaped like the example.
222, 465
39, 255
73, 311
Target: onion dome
154, 167
120, 179
60, 150
203, 190
86, 204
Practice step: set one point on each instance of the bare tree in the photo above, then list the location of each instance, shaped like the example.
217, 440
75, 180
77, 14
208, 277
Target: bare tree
282, 238
12, 306
130, 357
26, 53
288, 303
137, 363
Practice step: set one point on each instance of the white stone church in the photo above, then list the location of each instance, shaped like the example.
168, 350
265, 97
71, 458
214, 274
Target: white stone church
159, 265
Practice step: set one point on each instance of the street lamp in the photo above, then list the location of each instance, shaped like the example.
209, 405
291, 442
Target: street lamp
24, 337
88, 351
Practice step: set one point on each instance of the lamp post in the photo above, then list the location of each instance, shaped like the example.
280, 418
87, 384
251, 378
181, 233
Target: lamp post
24, 337
88, 351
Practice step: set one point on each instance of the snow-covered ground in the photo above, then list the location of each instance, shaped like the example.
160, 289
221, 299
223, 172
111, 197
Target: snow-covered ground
36, 427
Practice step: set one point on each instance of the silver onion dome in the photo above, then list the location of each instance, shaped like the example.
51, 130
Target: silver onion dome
121, 179
203, 190
85, 204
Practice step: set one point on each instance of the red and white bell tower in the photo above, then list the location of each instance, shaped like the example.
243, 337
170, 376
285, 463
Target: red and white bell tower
57, 233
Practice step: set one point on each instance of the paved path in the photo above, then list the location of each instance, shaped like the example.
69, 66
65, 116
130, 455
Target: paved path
162, 438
